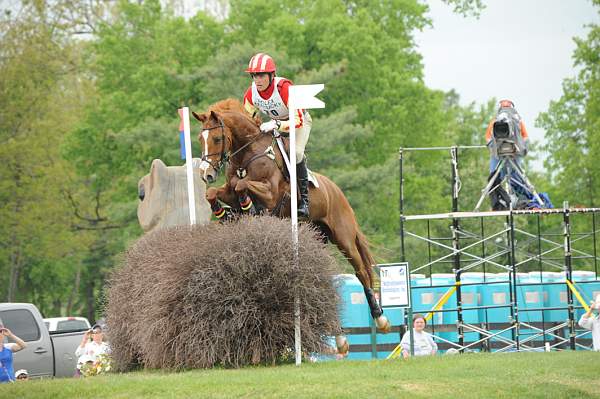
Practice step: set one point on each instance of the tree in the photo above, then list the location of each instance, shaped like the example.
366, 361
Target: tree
39, 103
572, 126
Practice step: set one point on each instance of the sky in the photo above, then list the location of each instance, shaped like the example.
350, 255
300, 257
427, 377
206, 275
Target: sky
517, 49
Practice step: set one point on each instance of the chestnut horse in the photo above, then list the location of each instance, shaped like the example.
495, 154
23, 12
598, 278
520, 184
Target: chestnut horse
255, 181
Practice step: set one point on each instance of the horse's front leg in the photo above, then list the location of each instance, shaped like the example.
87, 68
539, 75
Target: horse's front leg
224, 194
245, 201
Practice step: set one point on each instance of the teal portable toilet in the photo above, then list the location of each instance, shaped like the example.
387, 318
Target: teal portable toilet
442, 282
530, 296
496, 293
581, 279
556, 290
471, 300
354, 313
589, 288
355, 317
418, 284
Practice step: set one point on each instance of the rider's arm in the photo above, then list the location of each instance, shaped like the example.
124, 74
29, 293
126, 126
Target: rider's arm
249, 107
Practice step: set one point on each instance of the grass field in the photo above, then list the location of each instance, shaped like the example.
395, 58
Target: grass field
515, 375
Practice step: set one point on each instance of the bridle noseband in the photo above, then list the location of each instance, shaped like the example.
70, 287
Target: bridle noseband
223, 155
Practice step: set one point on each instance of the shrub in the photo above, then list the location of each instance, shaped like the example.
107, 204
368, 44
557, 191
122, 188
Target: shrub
220, 294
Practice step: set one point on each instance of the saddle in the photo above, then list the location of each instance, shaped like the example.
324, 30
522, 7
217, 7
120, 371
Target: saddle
284, 149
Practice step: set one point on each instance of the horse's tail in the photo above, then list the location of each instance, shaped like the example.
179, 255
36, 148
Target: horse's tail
362, 244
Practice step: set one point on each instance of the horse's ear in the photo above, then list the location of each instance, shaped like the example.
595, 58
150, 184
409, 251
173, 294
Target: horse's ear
215, 116
201, 117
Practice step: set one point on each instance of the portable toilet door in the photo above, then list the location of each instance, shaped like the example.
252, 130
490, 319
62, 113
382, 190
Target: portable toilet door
442, 282
471, 289
496, 293
555, 297
583, 281
355, 316
530, 297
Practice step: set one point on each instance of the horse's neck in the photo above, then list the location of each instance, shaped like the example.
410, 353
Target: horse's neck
244, 142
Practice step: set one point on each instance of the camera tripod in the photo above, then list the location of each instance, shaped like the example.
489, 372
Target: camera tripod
509, 165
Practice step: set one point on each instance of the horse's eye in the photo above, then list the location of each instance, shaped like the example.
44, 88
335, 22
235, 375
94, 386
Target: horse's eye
217, 140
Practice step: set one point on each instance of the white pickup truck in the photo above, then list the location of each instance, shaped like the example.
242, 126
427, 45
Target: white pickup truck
47, 354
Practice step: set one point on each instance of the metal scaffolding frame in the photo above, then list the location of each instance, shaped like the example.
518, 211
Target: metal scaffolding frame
504, 248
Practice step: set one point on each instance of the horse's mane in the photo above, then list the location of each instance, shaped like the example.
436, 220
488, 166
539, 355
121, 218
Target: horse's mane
234, 106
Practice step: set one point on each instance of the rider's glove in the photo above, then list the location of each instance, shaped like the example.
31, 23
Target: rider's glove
525, 147
270, 126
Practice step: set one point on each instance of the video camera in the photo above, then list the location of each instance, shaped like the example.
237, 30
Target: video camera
506, 138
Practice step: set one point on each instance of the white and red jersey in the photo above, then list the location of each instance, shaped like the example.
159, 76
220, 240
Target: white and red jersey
273, 102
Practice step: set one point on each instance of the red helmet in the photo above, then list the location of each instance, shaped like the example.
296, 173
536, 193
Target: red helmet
261, 63
506, 104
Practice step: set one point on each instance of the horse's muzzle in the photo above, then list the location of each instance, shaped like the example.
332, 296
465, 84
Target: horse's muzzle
209, 175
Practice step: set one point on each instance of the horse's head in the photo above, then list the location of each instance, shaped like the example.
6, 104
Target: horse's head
215, 142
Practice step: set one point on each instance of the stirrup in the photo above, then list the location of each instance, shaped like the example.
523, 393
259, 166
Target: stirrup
303, 213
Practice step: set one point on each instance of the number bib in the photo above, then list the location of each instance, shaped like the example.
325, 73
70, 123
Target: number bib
273, 106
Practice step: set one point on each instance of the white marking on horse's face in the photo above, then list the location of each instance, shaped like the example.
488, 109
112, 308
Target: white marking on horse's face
205, 138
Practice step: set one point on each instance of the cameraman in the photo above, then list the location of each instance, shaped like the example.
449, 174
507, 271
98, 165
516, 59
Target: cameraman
506, 107
507, 115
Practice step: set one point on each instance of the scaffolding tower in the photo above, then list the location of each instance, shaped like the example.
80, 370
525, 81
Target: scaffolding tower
508, 242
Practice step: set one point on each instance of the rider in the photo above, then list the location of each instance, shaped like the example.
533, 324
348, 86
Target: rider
269, 94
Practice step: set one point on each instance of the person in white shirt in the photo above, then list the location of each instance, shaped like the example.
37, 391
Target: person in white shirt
591, 322
423, 341
92, 345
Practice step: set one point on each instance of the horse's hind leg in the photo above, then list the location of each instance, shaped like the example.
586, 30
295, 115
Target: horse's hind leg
348, 242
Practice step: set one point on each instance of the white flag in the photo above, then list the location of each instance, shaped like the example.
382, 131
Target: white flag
303, 96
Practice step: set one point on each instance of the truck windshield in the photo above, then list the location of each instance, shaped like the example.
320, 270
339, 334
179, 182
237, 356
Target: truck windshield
68, 325
22, 323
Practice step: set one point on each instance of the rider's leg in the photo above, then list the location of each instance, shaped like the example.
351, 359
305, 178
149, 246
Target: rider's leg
302, 177
302, 135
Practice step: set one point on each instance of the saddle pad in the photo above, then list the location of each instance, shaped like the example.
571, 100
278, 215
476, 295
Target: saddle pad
312, 179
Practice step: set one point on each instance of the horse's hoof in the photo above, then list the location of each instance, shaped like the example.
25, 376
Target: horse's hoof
383, 324
342, 344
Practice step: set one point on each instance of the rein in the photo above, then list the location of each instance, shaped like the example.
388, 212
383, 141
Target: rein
227, 156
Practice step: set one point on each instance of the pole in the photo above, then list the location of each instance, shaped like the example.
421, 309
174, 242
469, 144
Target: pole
294, 217
410, 329
189, 165
302, 96
402, 253
569, 270
513, 278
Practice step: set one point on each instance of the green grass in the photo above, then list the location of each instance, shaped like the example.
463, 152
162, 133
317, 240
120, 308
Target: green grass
515, 375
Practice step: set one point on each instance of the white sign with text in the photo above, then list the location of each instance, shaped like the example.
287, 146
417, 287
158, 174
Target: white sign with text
394, 288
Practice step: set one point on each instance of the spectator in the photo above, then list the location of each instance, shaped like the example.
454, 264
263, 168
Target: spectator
7, 373
592, 322
92, 345
424, 344
22, 375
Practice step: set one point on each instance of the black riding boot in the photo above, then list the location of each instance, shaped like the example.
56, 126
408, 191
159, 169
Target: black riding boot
302, 178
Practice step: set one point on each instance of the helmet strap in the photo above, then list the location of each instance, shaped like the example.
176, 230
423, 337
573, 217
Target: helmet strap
271, 77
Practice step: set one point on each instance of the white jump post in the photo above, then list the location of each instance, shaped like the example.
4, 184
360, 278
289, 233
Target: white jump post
184, 113
300, 97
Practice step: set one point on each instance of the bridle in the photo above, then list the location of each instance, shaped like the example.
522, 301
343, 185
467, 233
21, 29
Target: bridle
224, 156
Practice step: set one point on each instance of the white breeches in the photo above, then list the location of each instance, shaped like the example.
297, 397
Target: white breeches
302, 135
